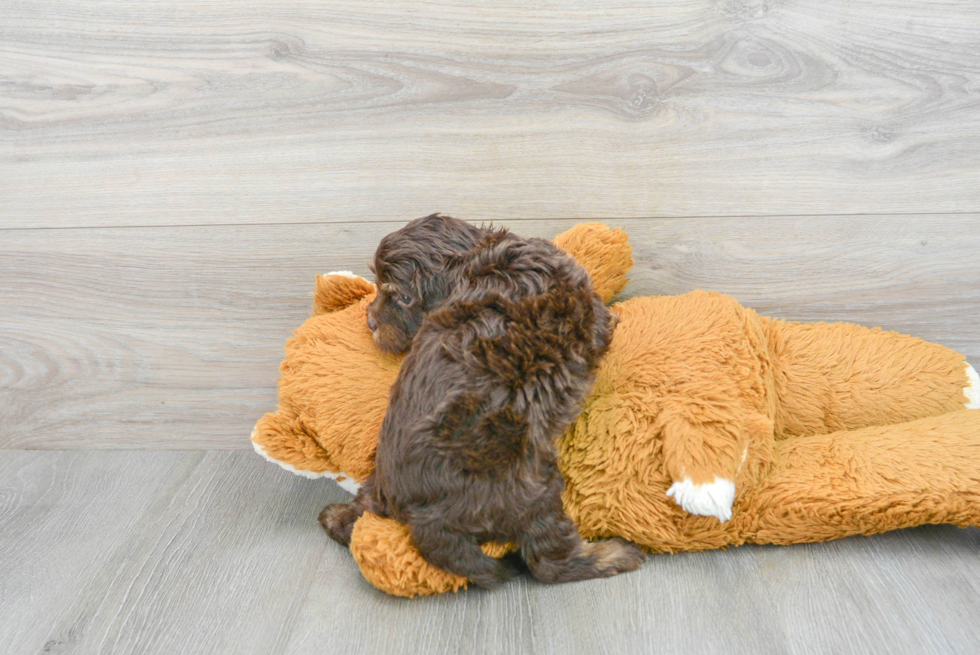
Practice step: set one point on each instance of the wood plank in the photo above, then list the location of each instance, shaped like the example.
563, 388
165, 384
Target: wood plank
220, 563
124, 114
171, 337
61, 516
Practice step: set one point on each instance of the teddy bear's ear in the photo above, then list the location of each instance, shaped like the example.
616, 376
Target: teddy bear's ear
339, 290
605, 253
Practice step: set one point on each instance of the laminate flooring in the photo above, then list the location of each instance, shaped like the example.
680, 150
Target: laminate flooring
220, 552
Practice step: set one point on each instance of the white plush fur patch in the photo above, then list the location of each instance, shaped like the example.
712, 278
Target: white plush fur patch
347, 484
344, 274
709, 499
972, 390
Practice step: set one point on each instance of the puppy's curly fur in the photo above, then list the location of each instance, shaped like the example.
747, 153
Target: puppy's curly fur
504, 335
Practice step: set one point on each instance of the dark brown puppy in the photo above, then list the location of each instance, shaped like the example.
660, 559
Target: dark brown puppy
505, 335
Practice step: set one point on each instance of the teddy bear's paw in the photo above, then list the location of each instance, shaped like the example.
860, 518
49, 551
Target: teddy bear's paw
972, 390
346, 482
708, 499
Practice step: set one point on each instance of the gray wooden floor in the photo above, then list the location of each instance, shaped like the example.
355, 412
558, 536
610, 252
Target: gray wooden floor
192, 552
174, 174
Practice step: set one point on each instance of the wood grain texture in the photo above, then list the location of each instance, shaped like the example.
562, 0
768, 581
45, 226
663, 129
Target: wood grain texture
220, 562
910, 591
712, 602
62, 516
151, 113
171, 337
136, 552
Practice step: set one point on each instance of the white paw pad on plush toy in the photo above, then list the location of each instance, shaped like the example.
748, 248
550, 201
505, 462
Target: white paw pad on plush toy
972, 390
708, 499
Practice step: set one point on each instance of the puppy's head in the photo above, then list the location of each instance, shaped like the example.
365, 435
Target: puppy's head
412, 271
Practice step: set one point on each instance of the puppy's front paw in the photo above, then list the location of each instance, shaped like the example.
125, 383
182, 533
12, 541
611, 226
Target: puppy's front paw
708, 499
338, 520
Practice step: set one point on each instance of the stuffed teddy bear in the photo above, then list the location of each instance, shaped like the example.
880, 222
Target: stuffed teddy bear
708, 425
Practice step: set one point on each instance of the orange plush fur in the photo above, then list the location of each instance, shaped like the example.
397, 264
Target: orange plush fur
824, 430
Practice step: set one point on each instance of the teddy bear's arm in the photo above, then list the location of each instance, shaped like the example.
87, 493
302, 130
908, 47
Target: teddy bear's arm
707, 441
702, 460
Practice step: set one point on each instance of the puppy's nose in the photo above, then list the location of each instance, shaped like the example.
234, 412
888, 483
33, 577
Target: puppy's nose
372, 324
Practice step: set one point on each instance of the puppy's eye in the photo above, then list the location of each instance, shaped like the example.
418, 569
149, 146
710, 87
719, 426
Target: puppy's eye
402, 299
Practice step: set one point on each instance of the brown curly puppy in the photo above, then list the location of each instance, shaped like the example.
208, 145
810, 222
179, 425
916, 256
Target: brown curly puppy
504, 335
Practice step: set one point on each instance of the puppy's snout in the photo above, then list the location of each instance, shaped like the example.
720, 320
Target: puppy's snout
372, 324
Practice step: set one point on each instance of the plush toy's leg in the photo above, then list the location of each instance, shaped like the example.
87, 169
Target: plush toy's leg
706, 445
702, 460
713, 498
972, 390
387, 558
870, 480
846, 377
557, 553
460, 555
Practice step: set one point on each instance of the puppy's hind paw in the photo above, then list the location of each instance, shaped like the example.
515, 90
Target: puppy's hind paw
504, 569
708, 499
616, 555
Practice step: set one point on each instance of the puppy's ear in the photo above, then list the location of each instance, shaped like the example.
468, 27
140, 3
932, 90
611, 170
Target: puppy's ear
339, 290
